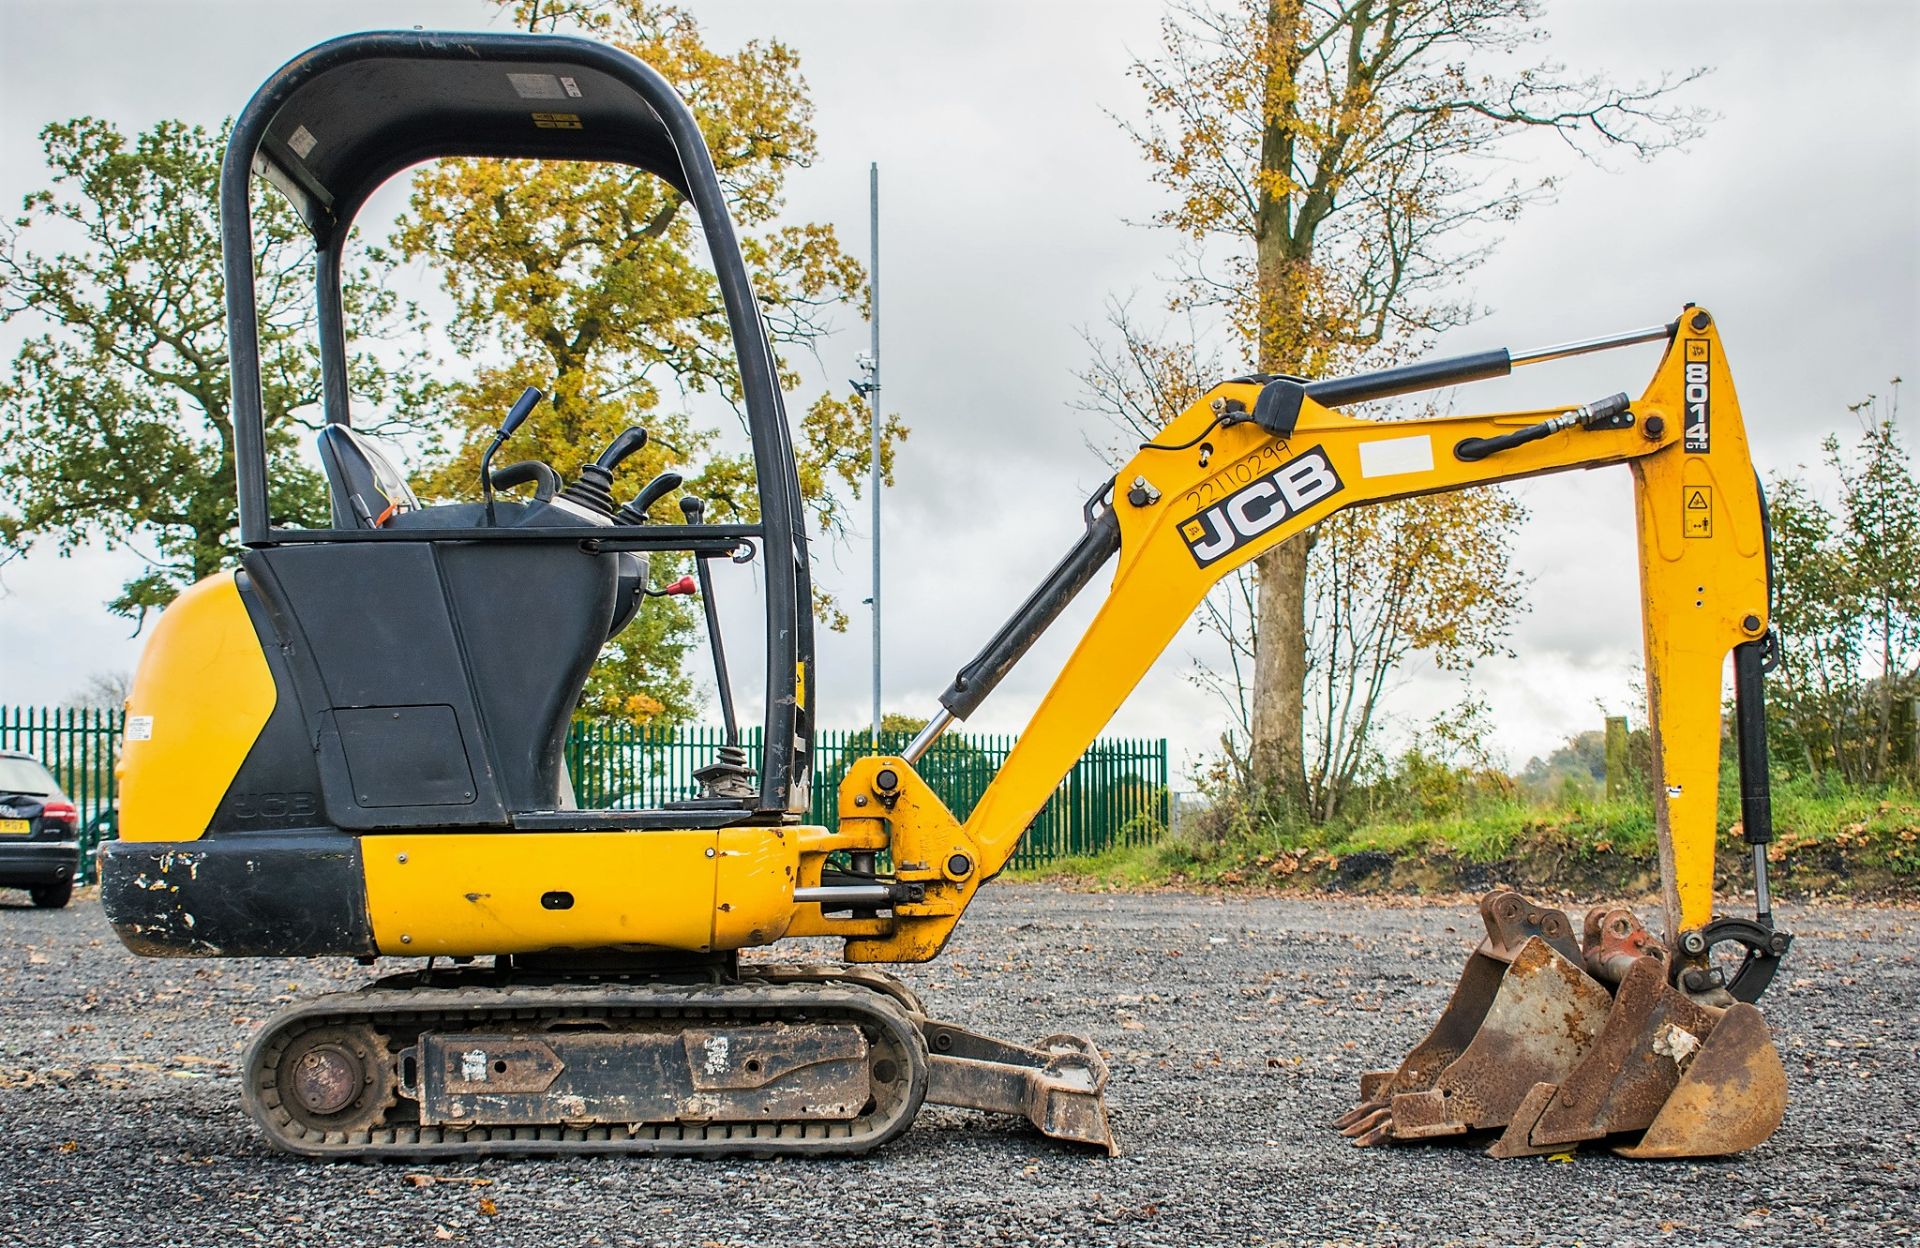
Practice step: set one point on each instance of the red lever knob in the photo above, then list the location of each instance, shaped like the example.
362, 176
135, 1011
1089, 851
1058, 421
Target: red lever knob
682, 586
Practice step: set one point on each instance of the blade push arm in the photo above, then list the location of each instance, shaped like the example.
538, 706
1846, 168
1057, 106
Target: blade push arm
1250, 466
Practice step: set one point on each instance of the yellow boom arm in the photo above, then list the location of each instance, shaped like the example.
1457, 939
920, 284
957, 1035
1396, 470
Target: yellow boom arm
1217, 488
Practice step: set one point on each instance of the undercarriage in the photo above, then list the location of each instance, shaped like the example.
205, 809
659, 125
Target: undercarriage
759, 1061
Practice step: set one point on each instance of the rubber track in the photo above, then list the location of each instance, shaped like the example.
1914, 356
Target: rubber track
793, 994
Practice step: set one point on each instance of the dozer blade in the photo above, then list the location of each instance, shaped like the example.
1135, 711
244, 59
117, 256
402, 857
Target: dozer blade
1700, 1081
1545, 1016
1059, 1084
1511, 922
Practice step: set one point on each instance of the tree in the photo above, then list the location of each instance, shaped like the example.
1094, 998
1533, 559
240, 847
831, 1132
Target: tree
1432, 574
1327, 160
1847, 603
117, 411
103, 691
589, 280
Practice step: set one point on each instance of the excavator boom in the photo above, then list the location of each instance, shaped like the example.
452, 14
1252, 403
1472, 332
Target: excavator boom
1254, 463
1259, 461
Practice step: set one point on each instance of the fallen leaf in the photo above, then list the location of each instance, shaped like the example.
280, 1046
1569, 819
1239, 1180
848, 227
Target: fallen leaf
441, 1232
488, 1207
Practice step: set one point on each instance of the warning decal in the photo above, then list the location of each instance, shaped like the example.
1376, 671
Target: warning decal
1697, 518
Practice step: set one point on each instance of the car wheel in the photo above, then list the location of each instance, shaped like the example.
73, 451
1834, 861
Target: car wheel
51, 896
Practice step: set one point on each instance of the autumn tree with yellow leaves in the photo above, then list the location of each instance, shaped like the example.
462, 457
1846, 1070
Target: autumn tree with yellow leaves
1331, 168
590, 281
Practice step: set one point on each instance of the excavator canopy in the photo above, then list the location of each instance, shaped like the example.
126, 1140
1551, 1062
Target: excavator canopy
351, 113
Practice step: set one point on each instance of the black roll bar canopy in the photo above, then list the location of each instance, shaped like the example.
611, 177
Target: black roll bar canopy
334, 123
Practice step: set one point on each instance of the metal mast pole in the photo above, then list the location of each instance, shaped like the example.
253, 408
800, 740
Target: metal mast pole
873, 410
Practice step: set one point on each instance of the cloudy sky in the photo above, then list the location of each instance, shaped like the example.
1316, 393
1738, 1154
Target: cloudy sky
1010, 201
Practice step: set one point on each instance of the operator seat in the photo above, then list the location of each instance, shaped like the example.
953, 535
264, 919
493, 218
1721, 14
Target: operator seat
366, 489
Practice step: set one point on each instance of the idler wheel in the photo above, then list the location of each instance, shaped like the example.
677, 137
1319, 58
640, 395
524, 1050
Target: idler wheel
335, 1078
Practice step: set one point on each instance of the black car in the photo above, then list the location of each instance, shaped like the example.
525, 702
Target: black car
39, 841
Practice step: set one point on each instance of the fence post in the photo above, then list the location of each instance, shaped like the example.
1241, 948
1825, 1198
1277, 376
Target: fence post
1616, 755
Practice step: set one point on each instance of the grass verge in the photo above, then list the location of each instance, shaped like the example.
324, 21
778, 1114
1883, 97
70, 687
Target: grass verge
1833, 843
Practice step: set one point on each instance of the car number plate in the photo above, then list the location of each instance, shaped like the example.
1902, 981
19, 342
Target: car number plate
15, 827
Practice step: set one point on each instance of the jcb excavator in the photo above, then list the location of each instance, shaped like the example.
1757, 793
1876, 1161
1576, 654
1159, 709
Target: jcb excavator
351, 745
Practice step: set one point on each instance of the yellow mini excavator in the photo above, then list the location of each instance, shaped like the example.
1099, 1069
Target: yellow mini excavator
351, 745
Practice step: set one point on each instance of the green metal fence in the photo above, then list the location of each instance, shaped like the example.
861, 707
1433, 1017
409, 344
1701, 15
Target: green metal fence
79, 745
1116, 795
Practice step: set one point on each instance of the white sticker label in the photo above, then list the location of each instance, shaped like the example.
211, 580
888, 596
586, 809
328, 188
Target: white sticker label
1391, 457
302, 142
718, 1049
538, 86
139, 727
573, 88
473, 1066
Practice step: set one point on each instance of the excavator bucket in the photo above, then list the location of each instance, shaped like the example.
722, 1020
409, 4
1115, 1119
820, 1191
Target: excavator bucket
1697, 1080
1522, 1008
1729, 1099
1543, 1019
1534, 1041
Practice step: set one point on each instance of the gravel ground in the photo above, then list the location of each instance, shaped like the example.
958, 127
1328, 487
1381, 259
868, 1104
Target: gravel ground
1235, 1027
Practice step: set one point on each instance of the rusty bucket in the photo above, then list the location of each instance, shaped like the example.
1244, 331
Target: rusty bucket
1697, 1080
1523, 1012
1537, 1040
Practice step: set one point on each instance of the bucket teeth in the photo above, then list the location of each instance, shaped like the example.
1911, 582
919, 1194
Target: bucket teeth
1533, 1042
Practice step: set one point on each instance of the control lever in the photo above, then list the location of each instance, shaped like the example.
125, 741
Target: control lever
546, 479
516, 416
1608, 413
635, 512
694, 509
682, 586
729, 775
593, 489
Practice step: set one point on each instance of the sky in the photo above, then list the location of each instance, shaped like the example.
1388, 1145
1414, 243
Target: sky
1012, 207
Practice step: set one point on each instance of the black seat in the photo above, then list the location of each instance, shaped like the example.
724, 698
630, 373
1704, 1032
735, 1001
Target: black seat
366, 488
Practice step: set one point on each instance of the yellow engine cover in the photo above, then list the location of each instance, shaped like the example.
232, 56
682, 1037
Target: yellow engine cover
201, 694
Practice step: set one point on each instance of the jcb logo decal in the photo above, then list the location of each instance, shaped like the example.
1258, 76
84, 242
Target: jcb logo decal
1259, 505
1699, 426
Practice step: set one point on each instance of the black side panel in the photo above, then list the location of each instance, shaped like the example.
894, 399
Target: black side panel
434, 682
278, 786
282, 895
532, 619
366, 625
